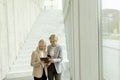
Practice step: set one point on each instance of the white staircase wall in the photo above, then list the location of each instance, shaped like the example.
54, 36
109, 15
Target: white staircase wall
50, 21
16, 20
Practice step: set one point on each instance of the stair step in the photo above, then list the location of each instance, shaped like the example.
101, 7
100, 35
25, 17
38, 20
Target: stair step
22, 78
19, 74
21, 67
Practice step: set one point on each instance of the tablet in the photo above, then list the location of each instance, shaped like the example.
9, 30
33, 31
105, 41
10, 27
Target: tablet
45, 59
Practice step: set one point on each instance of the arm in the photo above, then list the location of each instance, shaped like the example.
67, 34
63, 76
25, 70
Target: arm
60, 56
34, 62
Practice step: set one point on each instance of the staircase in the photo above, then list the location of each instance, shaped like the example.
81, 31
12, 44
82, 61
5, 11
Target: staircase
48, 22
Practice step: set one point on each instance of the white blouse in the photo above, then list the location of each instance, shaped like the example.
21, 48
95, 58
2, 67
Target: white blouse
41, 54
52, 51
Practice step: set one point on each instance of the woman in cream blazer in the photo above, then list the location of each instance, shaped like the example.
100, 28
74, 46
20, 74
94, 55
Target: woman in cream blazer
39, 67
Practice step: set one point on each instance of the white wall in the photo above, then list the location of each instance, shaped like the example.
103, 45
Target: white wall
53, 4
3, 38
81, 24
16, 20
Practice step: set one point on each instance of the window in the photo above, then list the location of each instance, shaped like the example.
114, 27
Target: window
110, 27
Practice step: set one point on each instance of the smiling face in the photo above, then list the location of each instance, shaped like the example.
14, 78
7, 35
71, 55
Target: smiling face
42, 45
53, 40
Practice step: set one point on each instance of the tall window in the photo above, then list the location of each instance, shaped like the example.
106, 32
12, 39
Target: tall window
110, 39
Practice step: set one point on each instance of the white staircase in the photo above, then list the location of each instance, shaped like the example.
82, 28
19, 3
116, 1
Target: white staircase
49, 21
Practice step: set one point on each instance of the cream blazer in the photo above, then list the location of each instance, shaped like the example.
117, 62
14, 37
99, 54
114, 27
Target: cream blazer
38, 67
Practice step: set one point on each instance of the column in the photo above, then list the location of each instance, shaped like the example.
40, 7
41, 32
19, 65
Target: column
11, 31
3, 38
81, 24
16, 20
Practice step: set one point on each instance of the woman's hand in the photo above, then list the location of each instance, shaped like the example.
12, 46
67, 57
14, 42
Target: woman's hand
51, 60
49, 64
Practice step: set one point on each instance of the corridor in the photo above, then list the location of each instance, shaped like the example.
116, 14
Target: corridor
48, 22
87, 30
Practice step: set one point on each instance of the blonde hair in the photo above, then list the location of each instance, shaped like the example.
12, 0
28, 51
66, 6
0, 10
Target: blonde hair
41, 42
53, 36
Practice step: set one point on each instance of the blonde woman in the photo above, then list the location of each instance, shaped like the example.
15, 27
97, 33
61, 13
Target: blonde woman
39, 67
55, 52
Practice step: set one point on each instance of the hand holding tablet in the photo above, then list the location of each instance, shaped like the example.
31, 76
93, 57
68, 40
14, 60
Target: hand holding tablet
45, 59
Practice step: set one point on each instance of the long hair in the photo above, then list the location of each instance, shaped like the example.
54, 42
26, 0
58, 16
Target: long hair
43, 43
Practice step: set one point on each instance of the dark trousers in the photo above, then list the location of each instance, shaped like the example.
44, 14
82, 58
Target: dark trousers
42, 78
52, 73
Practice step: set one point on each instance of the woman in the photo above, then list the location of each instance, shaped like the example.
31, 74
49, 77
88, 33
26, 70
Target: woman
55, 57
39, 67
